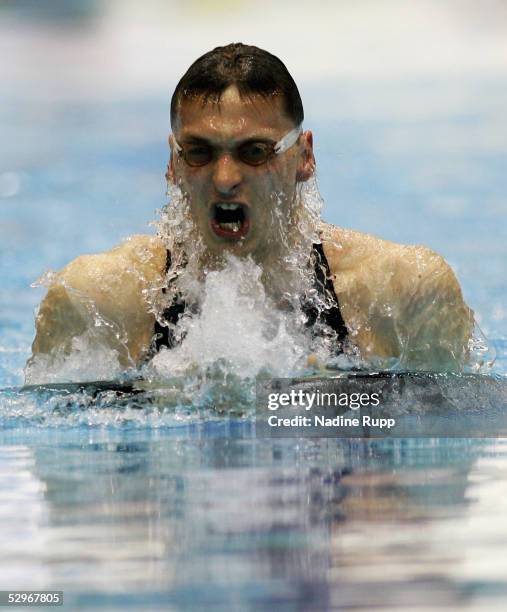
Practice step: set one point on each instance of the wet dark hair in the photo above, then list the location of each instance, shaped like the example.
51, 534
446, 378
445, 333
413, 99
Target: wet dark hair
250, 69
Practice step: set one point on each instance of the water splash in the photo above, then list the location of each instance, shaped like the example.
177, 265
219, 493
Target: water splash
250, 316
238, 324
482, 354
89, 359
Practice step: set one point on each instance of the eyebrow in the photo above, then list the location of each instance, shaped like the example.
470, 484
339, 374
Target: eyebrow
194, 139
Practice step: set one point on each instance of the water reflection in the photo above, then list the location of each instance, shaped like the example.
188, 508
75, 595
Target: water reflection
235, 521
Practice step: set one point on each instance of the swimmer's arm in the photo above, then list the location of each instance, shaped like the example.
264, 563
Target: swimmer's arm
105, 296
400, 304
435, 324
71, 310
58, 321
416, 317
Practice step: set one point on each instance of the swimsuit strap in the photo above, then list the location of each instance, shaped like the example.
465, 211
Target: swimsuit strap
330, 315
163, 335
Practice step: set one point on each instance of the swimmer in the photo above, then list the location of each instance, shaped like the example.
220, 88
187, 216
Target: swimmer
240, 156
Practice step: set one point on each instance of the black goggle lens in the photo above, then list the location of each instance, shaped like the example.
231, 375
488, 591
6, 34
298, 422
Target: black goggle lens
255, 153
251, 153
197, 155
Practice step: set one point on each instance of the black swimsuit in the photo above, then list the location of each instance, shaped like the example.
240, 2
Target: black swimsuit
330, 315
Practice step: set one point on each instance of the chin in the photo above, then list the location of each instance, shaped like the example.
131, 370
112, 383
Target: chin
241, 248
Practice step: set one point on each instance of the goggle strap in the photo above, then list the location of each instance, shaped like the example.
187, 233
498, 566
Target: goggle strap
288, 140
177, 146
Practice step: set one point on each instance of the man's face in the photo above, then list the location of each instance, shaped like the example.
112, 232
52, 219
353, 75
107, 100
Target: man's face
237, 206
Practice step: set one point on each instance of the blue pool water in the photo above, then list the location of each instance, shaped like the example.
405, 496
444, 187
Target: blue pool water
121, 513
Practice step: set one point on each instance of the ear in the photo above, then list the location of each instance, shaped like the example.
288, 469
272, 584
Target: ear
170, 175
306, 164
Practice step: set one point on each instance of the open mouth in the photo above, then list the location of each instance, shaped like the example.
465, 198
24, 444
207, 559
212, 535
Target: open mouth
230, 220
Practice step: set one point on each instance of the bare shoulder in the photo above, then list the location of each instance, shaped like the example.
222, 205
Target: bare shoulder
137, 259
350, 251
363, 261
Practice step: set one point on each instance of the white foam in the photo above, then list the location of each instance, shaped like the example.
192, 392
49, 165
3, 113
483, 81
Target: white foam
238, 325
88, 360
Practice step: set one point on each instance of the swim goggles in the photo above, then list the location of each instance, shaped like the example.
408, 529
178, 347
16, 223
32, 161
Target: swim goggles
251, 152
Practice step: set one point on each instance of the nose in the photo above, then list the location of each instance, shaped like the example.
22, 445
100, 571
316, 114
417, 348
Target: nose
226, 175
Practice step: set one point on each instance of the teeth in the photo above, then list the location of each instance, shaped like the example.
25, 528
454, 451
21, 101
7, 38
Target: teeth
228, 206
231, 227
